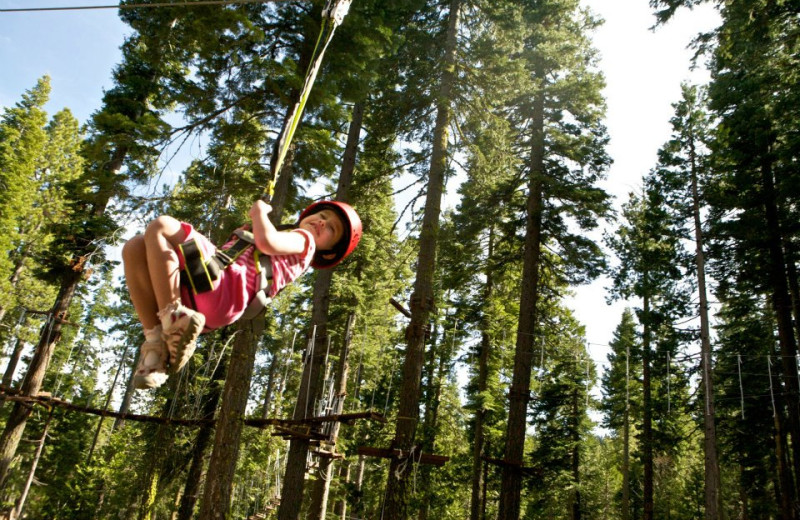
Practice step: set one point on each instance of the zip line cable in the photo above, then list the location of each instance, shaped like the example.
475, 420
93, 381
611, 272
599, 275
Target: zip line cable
136, 6
332, 16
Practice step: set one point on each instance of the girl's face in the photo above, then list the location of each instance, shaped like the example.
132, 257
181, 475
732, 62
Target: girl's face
325, 226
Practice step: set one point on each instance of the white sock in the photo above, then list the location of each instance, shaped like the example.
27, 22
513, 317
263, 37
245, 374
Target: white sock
153, 334
165, 314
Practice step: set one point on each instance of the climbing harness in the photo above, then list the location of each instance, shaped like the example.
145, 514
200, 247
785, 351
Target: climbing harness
332, 16
200, 274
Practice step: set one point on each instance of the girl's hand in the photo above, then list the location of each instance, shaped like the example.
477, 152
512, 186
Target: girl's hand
260, 209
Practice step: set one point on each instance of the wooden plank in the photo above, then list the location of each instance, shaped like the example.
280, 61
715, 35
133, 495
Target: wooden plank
328, 454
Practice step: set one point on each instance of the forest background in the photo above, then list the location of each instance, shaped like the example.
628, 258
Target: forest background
79, 49
544, 459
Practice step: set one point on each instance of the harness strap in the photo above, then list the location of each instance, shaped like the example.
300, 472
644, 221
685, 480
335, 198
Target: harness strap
261, 299
200, 274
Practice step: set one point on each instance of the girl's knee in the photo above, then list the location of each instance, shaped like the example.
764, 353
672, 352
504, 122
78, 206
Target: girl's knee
167, 227
163, 225
133, 249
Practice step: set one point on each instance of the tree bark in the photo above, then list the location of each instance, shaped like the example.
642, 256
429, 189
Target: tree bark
781, 305
422, 297
32, 384
216, 502
319, 498
477, 499
713, 493
519, 391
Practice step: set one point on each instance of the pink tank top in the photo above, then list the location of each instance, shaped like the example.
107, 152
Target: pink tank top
285, 268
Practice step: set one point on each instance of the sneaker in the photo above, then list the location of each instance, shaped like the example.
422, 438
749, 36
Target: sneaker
180, 328
151, 372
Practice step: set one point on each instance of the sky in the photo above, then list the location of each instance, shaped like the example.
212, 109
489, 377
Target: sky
644, 69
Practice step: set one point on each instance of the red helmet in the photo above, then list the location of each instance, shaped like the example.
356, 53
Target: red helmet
350, 235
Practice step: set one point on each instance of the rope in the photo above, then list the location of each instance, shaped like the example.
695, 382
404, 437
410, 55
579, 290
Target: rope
332, 16
8, 394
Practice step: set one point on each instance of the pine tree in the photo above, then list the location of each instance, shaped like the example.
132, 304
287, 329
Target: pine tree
682, 164
558, 127
650, 269
620, 402
23, 139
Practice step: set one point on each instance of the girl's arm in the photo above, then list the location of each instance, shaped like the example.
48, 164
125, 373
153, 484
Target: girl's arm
269, 240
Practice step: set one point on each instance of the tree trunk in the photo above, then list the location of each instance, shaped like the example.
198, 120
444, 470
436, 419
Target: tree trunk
109, 395
118, 423
216, 502
319, 497
744, 514
626, 442
519, 392
19, 266
781, 305
427, 441
794, 284
576, 459
358, 502
156, 453
16, 352
422, 297
294, 477
713, 493
785, 490
37, 456
273, 369
647, 416
340, 508
32, 384
477, 499
194, 477
127, 397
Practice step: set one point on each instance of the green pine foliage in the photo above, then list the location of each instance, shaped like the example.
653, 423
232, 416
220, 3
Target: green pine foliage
527, 111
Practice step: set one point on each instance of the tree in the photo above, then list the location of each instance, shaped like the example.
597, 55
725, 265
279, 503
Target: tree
561, 149
422, 296
23, 139
682, 175
620, 386
649, 252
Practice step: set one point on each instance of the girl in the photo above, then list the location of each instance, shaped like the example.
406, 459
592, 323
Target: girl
181, 284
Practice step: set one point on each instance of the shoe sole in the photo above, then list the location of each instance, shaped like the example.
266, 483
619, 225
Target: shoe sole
147, 382
188, 342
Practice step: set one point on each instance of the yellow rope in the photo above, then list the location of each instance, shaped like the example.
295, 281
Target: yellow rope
331, 18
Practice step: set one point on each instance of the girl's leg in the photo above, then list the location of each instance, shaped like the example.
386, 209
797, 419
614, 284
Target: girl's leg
161, 238
181, 325
151, 370
137, 276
